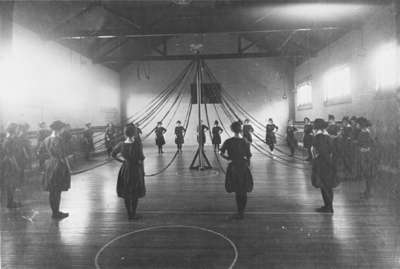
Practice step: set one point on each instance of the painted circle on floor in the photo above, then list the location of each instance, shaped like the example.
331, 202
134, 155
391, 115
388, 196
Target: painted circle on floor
170, 246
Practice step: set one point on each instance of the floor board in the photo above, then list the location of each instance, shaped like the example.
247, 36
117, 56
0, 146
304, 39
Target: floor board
281, 229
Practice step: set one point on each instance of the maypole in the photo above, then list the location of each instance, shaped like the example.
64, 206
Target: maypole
203, 161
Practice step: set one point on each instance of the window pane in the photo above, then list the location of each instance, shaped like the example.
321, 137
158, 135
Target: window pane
304, 94
337, 83
385, 66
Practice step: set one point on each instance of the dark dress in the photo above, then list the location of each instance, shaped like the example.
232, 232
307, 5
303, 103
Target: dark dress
56, 176
247, 130
323, 166
160, 140
290, 137
9, 166
308, 137
238, 177
109, 138
344, 154
355, 153
270, 138
179, 135
138, 136
23, 155
367, 165
67, 142
130, 184
332, 129
88, 144
40, 148
204, 128
216, 135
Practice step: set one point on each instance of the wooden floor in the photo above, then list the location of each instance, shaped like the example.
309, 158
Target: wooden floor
186, 223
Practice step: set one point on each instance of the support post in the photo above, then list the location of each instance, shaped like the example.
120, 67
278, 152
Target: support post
203, 161
200, 127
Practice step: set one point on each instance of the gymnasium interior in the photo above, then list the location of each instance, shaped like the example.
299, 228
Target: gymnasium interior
100, 64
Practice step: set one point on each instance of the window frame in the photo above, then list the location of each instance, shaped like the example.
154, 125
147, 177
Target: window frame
304, 106
343, 99
380, 86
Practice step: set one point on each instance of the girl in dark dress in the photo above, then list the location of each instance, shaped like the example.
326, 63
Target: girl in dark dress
130, 184
88, 145
216, 135
179, 135
57, 176
160, 140
308, 137
10, 167
344, 160
139, 133
109, 138
248, 131
365, 148
24, 151
355, 152
290, 137
41, 150
333, 128
270, 138
202, 133
323, 167
238, 178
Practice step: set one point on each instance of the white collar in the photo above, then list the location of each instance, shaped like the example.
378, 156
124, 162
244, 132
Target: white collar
324, 132
128, 140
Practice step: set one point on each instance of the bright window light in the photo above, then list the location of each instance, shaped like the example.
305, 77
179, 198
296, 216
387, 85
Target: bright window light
385, 66
304, 94
336, 84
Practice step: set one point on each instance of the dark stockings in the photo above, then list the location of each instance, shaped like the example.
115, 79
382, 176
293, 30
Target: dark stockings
241, 201
160, 149
216, 147
54, 199
292, 149
327, 195
131, 205
179, 146
109, 150
309, 158
271, 146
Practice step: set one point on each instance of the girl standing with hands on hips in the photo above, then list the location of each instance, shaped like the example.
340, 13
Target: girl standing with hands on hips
270, 138
238, 178
130, 184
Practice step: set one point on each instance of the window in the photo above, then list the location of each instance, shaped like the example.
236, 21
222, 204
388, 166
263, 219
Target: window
385, 66
336, 84
304, 95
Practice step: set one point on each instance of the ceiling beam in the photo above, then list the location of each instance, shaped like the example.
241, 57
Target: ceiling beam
122, 17
106, 34
287, 39
110, 50
182, 57
73, 17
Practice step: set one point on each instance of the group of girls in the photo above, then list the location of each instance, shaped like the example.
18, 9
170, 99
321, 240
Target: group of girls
15, 151
52, 150
131, 184
180, 131
336, 150
340, 152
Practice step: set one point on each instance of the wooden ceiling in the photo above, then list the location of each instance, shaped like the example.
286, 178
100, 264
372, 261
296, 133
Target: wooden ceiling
115, 33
